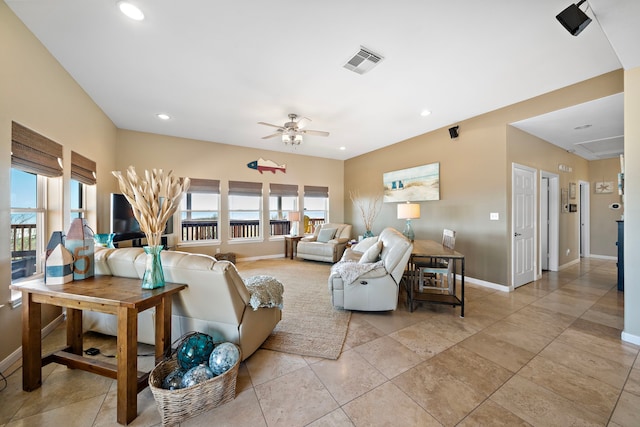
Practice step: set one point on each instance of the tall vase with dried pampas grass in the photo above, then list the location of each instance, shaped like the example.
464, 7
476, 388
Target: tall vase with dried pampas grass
368, 207
154, 197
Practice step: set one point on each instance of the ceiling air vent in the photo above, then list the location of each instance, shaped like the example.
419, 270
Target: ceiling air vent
363, 61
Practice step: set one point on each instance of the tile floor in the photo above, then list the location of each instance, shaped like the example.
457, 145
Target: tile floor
548, 354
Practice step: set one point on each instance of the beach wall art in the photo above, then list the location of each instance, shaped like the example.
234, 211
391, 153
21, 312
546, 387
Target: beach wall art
413, 184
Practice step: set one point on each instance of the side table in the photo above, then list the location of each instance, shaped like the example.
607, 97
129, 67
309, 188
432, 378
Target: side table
291, 245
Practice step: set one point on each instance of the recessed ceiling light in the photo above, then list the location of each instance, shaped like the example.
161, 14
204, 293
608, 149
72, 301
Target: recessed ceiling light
582, 127
343, 148
425, 113
130, 10
163, 116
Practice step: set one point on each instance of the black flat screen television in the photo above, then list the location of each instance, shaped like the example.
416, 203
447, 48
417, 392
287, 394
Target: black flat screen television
124, 223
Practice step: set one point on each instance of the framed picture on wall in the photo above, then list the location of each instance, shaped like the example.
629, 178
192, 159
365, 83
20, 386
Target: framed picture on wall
572, 190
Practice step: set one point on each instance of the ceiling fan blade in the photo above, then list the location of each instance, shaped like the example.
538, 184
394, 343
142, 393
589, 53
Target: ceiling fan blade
269, 124
316, 132
272, 135
302, 122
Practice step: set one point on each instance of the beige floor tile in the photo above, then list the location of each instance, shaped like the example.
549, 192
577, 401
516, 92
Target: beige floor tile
441, 394
391, 321
541, 321
148, 414
295, 399
360, 332
596, 329
77, 414
388, 356
590, 393
477, 372
348, 377
336, 418
494, 415
633, 382
63, 388
626, 412
541, 407
564, 304
603, 369
421, 339
387, 406
452, 327
265, 365
518, 336
614, 350
503, 353
596, 315
243, 411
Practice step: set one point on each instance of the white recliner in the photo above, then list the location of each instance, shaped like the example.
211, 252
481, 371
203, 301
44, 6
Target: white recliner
327, 243
376, 283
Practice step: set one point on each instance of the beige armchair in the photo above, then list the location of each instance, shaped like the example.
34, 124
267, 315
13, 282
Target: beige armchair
327, 243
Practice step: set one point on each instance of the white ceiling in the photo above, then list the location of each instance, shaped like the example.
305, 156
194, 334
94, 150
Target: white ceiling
218, 68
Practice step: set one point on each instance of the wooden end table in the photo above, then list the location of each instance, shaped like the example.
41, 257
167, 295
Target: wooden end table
121, 296
291, 245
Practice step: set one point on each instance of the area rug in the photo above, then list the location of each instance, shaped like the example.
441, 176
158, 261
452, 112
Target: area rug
310, 326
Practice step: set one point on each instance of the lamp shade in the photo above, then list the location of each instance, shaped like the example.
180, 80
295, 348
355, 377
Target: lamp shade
294, 216
408, 211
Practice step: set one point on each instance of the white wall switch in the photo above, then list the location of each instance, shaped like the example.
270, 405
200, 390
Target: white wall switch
494, 216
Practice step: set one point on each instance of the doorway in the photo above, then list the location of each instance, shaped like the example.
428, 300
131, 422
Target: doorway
549, 221
585, 235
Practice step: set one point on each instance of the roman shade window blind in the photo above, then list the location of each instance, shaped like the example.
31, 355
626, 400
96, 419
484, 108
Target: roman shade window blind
283, 190
211, 186
82, 169
314, 191
34, 153
243, 188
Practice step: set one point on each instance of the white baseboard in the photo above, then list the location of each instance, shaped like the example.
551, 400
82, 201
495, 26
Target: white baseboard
17, 354
569, 264
484, 283
633, 339
608, 257
257, 258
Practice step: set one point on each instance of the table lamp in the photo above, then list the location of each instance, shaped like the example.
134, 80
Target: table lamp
294, 217
408, 211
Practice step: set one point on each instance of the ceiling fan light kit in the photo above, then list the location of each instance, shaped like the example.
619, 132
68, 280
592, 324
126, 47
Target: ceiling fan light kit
292, 131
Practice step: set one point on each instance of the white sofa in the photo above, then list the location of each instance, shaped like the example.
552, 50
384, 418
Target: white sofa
376, 289
216, 301
328, 250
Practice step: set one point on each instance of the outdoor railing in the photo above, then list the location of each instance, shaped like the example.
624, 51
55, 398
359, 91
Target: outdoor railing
193, 230
23, 250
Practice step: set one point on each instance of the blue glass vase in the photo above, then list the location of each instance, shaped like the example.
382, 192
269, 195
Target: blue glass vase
153, 274
105, 240
367, 233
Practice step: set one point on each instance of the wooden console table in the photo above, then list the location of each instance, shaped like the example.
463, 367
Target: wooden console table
291, 245
121, 296
433, 249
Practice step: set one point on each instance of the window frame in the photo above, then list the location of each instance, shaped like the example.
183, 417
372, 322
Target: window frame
248, 190
193, 242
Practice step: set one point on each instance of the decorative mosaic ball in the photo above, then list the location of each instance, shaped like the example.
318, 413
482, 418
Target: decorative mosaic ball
196, 375
173, 380
194, 350
223, 357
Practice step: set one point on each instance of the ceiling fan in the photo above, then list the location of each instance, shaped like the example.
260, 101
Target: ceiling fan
293, 130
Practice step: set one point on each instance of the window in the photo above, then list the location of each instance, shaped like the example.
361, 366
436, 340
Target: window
316, 207
283, 199
27, 223
33, 159
83, 173
245, 210
200, 209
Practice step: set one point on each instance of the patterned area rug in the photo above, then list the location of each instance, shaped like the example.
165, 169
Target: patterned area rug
310, 326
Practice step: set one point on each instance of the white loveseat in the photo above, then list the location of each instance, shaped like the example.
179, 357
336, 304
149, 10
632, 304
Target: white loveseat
375, 284
216, 301
318, 248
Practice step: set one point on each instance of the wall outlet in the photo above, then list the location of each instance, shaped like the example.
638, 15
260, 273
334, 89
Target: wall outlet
568, 252
217, 250
494, 216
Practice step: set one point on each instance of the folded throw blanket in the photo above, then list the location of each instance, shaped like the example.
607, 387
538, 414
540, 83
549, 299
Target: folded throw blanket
351, 270
266, 291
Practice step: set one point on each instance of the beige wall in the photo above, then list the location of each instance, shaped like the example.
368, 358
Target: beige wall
602, 219
38, 93
199, 159
475, 178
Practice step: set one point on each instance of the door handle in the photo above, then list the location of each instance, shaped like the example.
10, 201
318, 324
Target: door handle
517, 234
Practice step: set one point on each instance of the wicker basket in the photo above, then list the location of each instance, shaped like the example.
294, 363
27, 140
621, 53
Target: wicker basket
176, 406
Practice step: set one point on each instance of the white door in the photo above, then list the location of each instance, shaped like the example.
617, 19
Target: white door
585, 237
523, 201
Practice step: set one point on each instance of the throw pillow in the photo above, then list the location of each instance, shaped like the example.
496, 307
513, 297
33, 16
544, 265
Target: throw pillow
371, 254
365, 244
326, 234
